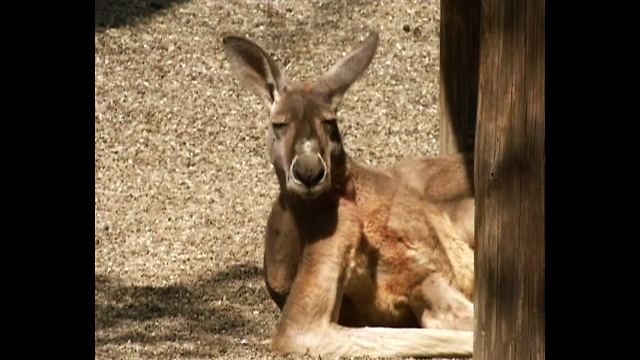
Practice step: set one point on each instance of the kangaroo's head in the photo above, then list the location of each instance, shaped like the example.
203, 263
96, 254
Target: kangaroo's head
305, 144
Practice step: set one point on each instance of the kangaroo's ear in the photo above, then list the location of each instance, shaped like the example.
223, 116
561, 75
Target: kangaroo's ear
346, 71
255, 68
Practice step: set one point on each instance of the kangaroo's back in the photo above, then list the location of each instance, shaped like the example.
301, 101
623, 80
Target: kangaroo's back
439, 179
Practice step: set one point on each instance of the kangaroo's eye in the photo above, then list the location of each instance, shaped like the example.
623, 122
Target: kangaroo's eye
280, 128
329, 125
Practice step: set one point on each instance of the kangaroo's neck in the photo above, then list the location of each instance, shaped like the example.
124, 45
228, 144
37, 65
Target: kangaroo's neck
317, 218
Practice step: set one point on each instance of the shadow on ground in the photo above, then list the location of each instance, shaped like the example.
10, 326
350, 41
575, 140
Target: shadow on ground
118, 13
217, 305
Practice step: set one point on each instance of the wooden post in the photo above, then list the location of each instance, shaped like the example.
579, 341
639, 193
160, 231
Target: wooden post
459, 49
509, 182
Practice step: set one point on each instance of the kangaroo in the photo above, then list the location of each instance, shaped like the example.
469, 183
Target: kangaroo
360, 261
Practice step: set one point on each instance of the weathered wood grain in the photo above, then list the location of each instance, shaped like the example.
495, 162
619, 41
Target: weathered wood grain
459, 51
509, 178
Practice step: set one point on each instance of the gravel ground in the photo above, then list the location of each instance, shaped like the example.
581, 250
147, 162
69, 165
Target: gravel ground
182, 182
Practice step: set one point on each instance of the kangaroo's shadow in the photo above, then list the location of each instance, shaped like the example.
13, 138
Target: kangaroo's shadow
212, 305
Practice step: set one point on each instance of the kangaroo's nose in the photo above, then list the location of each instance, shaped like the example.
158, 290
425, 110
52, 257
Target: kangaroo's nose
308, 169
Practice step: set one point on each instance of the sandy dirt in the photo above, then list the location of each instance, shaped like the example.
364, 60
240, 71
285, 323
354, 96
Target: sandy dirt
182, 182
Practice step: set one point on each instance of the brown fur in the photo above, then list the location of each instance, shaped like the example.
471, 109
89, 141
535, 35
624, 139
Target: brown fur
361, 261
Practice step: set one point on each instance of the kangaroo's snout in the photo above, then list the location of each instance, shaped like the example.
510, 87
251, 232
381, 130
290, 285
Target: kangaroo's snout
308, 169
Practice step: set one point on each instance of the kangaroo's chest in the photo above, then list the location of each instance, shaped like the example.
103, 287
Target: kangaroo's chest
376, 292
400, 244
385, 251
382, 269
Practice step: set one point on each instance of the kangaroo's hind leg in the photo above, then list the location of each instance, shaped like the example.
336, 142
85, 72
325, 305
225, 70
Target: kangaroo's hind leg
437, 304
